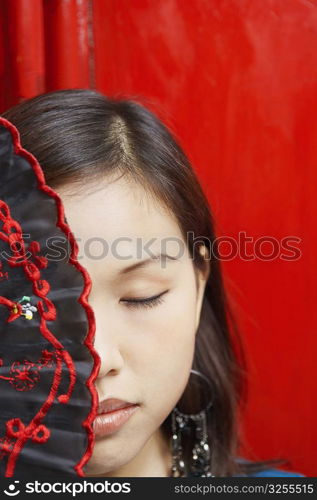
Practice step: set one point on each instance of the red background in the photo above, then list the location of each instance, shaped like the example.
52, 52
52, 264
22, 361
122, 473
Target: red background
236, 80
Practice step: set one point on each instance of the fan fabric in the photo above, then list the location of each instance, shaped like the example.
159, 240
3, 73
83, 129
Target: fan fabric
47, 361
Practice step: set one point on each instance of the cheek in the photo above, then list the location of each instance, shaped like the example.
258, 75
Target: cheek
165, 347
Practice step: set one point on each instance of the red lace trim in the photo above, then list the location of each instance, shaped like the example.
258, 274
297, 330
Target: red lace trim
24, 375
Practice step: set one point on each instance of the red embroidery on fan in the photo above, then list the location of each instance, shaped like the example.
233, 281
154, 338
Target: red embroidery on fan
41, 288
6, 446
28, 376
24, 375
15, 428
3, 274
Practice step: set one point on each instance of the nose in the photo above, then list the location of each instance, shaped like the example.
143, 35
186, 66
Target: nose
111, 360
108, 340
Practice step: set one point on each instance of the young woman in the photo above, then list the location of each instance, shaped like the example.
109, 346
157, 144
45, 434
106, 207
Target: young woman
145, 234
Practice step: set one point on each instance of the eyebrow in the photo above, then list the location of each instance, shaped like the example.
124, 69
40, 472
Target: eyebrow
143, 263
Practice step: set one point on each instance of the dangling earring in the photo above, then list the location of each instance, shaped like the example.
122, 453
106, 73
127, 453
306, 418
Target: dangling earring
200, 460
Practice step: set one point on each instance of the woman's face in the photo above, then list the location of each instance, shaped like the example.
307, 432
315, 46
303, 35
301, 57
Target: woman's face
146, 350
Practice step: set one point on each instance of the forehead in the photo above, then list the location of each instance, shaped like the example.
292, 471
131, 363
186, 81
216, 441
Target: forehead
122, 213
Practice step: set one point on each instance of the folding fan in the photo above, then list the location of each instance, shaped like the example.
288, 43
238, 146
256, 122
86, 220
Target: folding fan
47, 361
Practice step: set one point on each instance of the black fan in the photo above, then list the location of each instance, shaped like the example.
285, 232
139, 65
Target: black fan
47, 360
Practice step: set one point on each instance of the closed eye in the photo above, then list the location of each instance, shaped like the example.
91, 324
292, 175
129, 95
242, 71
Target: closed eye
145, 302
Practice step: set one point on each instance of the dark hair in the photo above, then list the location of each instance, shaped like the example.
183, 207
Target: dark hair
82, 134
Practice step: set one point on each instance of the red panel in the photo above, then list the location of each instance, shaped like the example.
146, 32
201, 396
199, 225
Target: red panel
23, 33
67, 44
239, 79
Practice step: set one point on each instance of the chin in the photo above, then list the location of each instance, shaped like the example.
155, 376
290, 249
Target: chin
105, 458
98, 467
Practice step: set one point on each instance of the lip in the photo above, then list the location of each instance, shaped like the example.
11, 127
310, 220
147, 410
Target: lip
111, 421
111, 404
